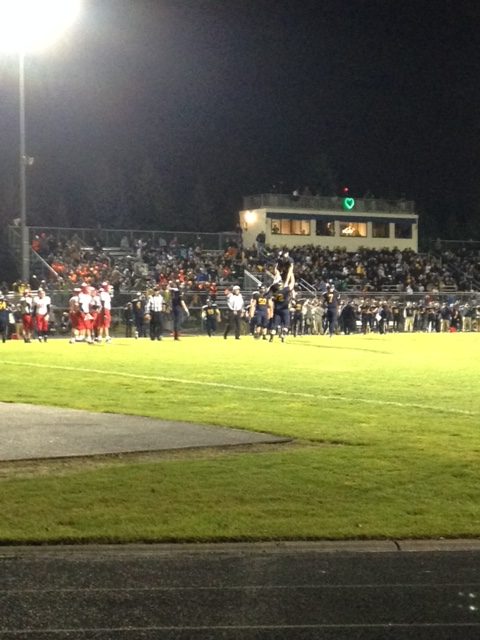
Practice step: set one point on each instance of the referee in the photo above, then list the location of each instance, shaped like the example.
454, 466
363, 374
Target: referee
235, 306
154, 308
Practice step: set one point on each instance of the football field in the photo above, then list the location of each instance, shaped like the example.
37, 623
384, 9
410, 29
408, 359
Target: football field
385, 439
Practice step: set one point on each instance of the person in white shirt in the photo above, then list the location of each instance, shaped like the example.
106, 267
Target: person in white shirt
154, 308
41, 306
235, 306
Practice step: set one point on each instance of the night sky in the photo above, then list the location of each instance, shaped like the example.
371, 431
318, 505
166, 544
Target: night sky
238, 95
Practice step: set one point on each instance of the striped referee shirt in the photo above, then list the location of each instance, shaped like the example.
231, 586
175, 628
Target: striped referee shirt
155, 303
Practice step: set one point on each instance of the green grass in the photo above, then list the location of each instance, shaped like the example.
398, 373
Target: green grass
385, 428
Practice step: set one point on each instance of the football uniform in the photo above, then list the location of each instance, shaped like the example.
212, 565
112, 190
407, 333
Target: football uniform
260, 311
26, 310
178, 307
210, 314
41, 304
281, 311
284, 265
106, 309
85, 319
74, 311
297, 317
332, 302
4, 310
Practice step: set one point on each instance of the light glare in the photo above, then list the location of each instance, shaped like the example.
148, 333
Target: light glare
32, 25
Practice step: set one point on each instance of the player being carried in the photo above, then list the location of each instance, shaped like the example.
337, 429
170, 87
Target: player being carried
283, 270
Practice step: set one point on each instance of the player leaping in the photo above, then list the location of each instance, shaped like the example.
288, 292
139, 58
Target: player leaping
283, 271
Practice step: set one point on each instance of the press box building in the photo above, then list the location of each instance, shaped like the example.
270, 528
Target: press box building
350, 223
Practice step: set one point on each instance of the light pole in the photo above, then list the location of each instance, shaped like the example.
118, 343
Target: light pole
25, 239
30, 25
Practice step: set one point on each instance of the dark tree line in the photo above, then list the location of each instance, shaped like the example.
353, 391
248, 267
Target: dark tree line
111, 195
144, 193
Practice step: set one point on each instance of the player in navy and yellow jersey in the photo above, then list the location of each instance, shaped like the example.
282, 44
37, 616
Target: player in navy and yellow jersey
210, 316
260, 312
4, 310
296, 309
178, 306
331, 301
280, 323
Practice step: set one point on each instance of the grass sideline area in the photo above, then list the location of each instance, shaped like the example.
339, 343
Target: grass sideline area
386, 445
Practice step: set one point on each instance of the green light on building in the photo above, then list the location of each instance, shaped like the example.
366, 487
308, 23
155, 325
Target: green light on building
348, 203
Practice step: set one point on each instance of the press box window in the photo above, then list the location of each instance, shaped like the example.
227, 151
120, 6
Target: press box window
300, 227
291, 227
324, 228
275, 226
380, 230
353, 229
403, 230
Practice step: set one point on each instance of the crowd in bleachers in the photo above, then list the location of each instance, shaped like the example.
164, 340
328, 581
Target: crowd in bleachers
137, 266
134, 267
464, 264
385, 270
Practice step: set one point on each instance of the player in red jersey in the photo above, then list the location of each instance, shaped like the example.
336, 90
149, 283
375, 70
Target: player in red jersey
85, 318
105, 312
26, 310
41, 305
74, 315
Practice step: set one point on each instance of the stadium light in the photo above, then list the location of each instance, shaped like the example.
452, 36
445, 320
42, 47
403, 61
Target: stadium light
27, 26
33, 25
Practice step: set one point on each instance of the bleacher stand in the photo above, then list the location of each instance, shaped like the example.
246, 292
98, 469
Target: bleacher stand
366, 278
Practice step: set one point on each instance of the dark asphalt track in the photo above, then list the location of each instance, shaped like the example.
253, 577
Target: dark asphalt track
245, 592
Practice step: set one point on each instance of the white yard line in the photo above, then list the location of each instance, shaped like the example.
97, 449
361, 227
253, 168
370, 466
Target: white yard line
237, 387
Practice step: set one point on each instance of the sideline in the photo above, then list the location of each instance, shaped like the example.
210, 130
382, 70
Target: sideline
271, 547
237, 387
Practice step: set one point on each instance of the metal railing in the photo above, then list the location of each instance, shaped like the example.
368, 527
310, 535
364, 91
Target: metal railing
43, 265
327, 203
306, 286
113, 237
250, 281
